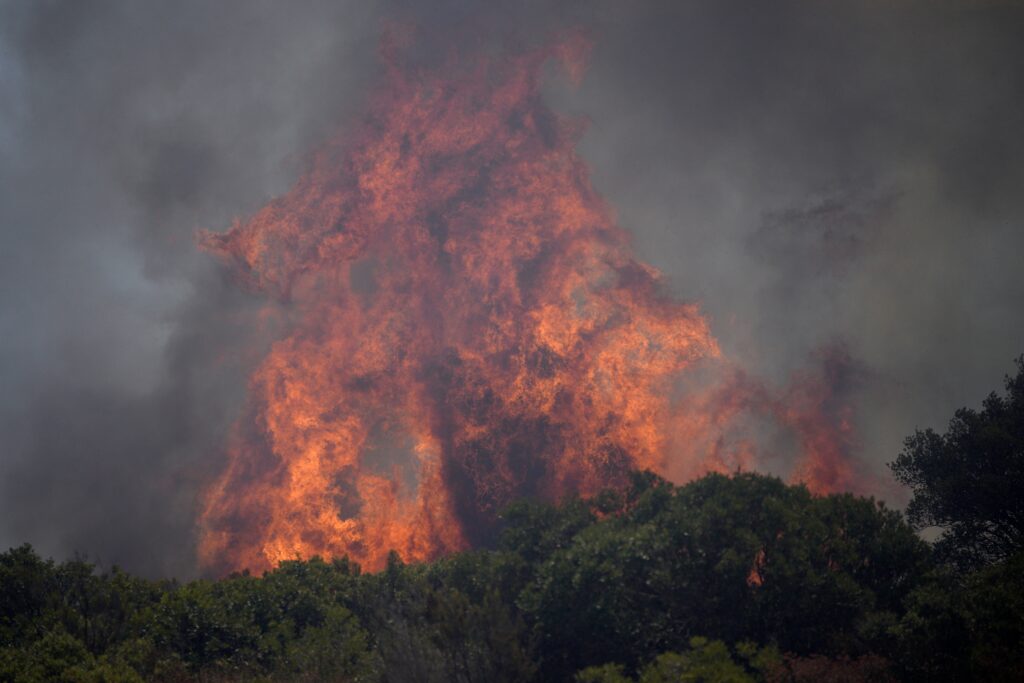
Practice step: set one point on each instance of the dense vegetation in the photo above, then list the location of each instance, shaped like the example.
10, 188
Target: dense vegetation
739, 578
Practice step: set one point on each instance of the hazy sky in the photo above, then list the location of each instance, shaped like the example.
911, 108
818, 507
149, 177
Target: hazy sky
812, 172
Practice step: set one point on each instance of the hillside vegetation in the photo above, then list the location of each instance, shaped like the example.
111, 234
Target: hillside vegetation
727, 578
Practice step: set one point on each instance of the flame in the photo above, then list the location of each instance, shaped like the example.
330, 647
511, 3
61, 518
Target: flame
811, 409
467, 326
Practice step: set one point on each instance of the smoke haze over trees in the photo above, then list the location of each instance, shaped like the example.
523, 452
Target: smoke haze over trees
811, 173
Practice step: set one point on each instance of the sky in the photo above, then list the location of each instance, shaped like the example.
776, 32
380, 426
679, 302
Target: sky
814, 174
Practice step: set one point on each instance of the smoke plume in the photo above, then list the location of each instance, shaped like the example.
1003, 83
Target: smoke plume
836, 185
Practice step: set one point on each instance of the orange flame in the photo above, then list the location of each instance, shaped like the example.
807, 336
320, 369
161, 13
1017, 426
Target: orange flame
469, 326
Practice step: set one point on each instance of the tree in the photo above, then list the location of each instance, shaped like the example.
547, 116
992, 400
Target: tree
730, 558
968, 481
705, 661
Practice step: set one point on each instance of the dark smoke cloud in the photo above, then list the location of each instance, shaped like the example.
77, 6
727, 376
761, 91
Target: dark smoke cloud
813, 173
829, 171
126, 126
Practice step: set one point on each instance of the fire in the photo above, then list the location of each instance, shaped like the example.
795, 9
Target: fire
467, 326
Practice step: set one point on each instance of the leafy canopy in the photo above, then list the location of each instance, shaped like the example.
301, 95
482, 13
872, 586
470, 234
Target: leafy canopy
968, 481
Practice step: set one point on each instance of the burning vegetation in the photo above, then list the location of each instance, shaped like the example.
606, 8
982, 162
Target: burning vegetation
468, 326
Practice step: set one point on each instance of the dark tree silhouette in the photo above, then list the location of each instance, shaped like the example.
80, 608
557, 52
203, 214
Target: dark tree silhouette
970, 481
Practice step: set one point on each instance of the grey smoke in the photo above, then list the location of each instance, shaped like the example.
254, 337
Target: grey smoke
811, 173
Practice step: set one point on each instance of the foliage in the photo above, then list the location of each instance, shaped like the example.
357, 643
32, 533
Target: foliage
738, 578
742, 558
705, 661
958, 628
968, 481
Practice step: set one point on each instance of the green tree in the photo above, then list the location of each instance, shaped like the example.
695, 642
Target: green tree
25, 586
968, 481
733, 558
705, 661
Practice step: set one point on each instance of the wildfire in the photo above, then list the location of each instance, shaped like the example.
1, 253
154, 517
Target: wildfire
468, 326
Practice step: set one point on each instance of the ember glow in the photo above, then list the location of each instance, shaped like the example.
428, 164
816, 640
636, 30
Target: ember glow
467, 325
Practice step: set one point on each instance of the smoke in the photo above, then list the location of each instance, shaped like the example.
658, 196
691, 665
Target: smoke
827, 172
126, 127
811, 173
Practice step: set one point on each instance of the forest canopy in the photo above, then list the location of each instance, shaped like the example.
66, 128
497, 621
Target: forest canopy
726, 578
